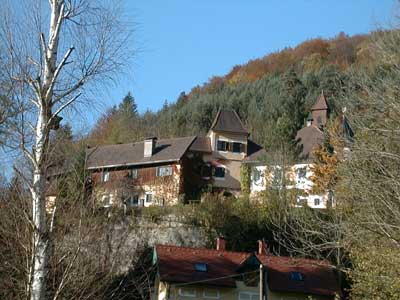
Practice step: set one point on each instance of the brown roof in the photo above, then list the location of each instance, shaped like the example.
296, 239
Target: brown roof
318, 276
176, 264
201, 144
167, 150
309, 138
320, 104
228, 121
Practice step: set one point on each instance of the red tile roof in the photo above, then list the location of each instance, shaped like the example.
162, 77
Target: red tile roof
176, 264
319, 277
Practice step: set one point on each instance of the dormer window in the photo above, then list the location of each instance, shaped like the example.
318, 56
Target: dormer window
297, 276
200, 267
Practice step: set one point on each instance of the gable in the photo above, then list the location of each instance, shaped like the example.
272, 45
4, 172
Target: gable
228, 121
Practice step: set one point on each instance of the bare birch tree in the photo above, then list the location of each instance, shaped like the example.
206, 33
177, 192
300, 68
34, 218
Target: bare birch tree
54, 53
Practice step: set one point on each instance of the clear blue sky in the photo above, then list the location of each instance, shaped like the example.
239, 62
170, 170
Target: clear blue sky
184, 42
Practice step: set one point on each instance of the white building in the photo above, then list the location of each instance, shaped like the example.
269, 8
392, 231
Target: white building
298, 176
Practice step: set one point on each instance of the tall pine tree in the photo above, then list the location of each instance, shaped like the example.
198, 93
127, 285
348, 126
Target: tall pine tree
128, 108
293, 95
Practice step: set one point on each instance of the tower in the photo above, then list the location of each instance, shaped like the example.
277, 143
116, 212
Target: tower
319, 111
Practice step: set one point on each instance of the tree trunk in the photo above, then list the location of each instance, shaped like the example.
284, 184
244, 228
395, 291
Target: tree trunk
41, 239
40, 235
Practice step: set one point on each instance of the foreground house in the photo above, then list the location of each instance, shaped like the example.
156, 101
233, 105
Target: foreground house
299, 174
169, 171
195, 273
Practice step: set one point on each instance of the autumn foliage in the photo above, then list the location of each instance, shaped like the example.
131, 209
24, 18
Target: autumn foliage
328, 157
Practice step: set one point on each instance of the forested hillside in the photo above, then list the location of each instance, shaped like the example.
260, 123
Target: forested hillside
272, 94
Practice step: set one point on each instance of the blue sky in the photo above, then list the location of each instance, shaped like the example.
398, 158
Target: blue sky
182, 43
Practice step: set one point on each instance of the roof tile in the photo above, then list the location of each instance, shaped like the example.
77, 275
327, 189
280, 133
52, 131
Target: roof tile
228, 121
166, 150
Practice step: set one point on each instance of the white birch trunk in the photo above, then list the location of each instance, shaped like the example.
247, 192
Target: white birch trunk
46, 81
41, 238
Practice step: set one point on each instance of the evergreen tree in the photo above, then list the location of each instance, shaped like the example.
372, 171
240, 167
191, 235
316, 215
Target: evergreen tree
128, 108
293, 95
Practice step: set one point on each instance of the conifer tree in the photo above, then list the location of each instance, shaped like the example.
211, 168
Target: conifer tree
128, 108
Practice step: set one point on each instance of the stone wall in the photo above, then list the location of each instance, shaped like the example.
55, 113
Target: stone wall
125, 238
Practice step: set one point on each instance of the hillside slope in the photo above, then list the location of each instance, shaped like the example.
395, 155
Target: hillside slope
265, 92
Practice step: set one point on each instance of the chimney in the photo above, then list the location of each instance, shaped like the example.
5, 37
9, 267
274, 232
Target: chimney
221, 244
149, 146
263, 248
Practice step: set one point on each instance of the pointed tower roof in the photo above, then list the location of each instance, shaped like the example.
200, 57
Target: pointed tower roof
320, 104
228, 121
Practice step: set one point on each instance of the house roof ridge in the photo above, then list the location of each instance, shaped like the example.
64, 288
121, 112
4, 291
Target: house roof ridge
319, 262
228, 120
204, 249
140, 142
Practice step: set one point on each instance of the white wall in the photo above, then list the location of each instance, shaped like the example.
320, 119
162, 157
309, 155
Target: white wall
301, 183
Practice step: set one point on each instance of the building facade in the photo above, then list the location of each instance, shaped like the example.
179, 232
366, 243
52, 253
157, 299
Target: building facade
298, 175
166, 172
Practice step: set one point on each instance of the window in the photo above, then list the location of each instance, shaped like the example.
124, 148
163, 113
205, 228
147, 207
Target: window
248, 296
206, 171
296, 276
219, 172
211, 294
301, 200
133, 173
134, 200
317, 201
164, 171
319, 120
237, 147
187, 292
200, 267
105, 176
222, 146
302, 172
256, 175
149, 198
106, 200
